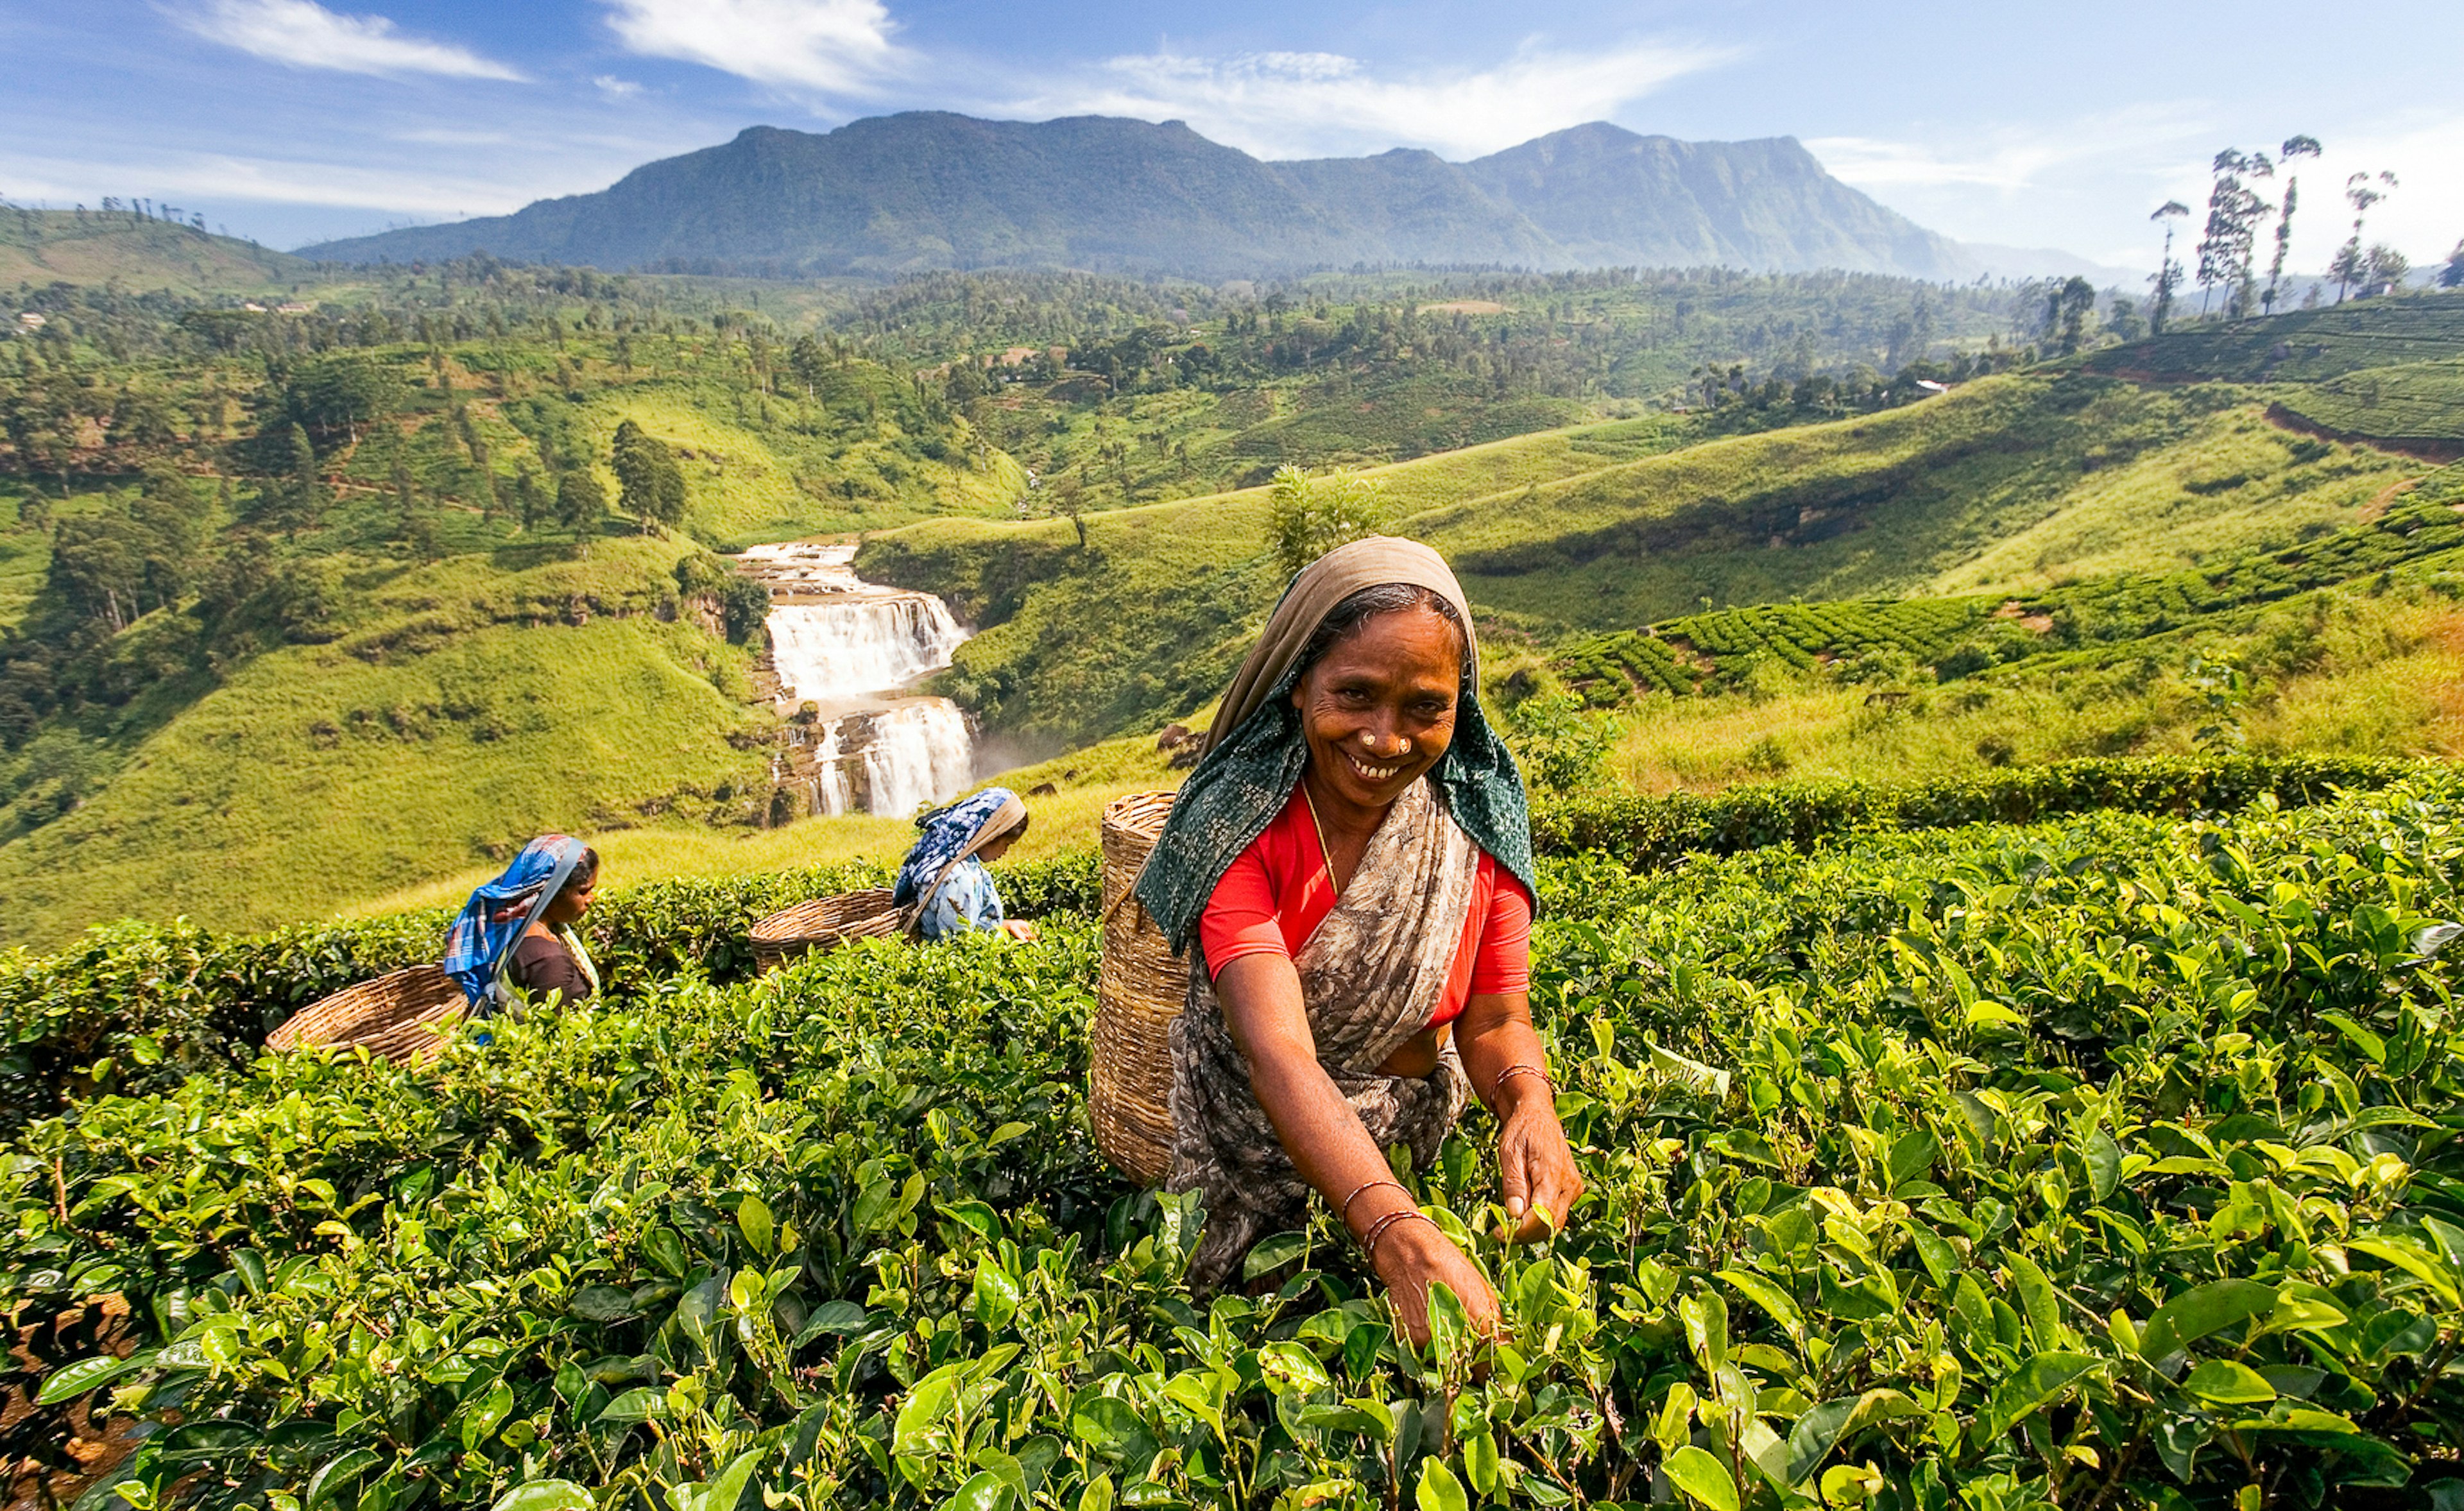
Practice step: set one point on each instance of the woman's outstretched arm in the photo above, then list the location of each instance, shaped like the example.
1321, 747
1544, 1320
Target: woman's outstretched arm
1263, 1007
1536, 1175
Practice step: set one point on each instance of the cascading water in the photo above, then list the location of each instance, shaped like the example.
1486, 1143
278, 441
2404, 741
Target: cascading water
848, 646
920, 751
865, 644
830, 793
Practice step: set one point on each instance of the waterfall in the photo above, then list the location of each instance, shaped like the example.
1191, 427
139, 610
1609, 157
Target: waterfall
829, 652
918, 752
850, 647
830, 793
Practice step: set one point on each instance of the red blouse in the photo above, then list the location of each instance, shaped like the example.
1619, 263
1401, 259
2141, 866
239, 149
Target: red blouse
1279, 890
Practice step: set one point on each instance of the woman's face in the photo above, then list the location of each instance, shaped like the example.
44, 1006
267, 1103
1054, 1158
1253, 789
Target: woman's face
1378, 708
993, 849
569, 904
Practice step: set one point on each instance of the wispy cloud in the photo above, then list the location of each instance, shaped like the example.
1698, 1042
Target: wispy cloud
615, 88
2148, 140
421, 185
831, 46
304, 35
1295, 104
451, 137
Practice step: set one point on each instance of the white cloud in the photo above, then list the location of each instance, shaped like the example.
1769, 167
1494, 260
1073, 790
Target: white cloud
1299, 104
615, 88
2424, 217
304, 35
276, 181
834, 46
2145, 140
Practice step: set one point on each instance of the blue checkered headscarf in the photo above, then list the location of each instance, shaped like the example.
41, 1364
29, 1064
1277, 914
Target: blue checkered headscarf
498, 912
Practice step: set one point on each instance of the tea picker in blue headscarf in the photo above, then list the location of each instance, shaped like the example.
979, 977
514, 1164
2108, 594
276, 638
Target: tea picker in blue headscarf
943, 888
514, 937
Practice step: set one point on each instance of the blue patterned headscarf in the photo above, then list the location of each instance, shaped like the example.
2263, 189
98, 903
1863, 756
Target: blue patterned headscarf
498, 912
949, 836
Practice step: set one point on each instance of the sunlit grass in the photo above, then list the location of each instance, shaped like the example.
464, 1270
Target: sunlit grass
314, 779
2382, 679
1067, 819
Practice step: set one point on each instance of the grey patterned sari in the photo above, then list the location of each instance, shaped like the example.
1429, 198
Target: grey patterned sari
1371, 976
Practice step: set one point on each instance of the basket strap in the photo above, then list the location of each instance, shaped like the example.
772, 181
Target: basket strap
1128, 891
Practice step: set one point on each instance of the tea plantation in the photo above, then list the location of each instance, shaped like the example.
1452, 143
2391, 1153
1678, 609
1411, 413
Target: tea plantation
2421, 540
2102, 1160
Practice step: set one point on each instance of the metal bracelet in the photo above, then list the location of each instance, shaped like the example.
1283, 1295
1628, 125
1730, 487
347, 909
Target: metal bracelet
1378, 1230
1343, 1214
1520, 1069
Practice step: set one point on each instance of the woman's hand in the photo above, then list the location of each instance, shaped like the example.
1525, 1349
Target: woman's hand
1414, 1255
1536, 1168
1019, 929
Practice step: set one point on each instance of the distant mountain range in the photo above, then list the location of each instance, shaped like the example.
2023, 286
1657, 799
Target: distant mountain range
929, 189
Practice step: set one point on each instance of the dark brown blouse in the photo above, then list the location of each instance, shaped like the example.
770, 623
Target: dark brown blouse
541, 966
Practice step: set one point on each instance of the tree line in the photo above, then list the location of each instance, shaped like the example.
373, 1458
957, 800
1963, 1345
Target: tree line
2227, 253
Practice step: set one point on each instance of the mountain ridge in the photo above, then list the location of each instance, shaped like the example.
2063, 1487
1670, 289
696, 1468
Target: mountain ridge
931, 190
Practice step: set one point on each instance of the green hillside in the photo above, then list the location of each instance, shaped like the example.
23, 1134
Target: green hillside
208, 570
327, 595
2004, 485
2296, 347
2381, 368
200, 501
140, 252
2412, 403
1131, 393
2351, 643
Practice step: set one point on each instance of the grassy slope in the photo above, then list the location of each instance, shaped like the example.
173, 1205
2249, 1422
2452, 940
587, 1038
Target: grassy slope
1066, 820
457, 718
44, 247
2380, 367
2297, 347
2006, 483
744, 493
2415, 400
25, 554
1148, 622
604, 718
2338, 671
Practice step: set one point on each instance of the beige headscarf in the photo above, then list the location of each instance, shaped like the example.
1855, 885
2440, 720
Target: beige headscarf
1371, 562
1256, 752
1008, 816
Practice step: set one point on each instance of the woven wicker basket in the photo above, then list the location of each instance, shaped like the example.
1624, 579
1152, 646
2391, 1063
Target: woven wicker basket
1137, 995
397, 1016
822, 924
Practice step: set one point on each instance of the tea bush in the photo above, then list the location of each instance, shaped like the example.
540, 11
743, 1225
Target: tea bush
1653, 831
1957, 636
2098, 1162
136, 1007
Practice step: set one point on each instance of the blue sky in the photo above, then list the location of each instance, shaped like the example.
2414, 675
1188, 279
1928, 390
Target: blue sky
2020, 124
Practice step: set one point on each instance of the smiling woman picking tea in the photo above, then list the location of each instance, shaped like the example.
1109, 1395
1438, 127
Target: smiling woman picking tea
1353, 860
